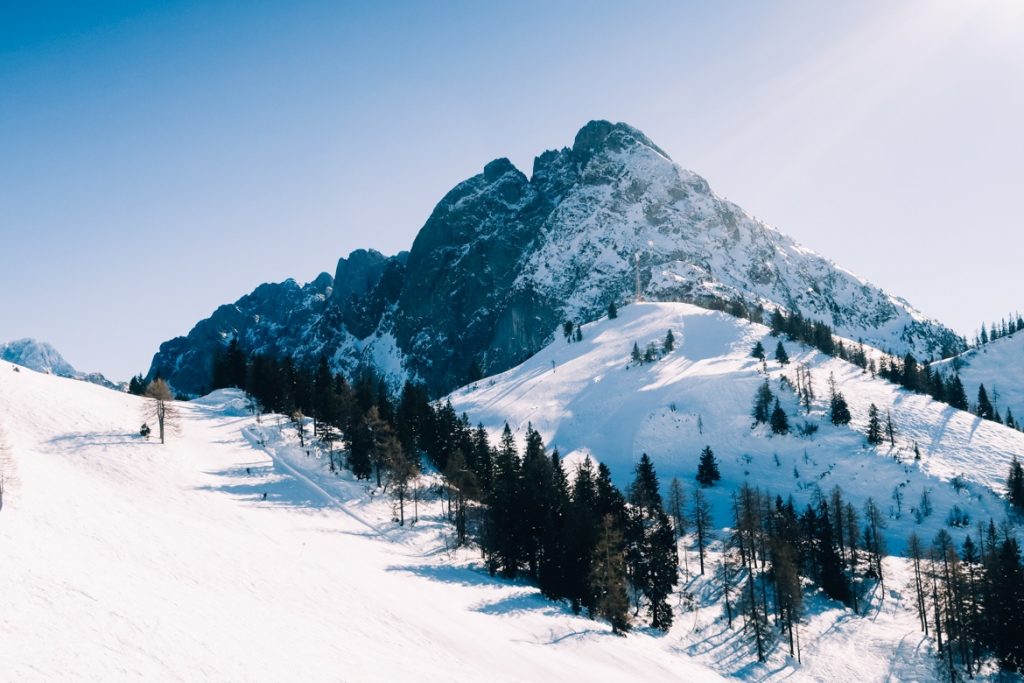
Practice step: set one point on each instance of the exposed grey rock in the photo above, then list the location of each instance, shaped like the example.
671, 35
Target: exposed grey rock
503, 259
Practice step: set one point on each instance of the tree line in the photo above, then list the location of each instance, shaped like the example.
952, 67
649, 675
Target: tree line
997, 330
971, 598
907, 371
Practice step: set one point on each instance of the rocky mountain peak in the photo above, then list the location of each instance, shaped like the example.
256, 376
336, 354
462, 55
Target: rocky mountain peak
598, 136
503, 260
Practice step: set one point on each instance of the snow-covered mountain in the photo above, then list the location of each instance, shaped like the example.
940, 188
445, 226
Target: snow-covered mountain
43, 357
999, 365
504, 258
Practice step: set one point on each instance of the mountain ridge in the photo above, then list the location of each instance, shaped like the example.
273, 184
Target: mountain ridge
504, 259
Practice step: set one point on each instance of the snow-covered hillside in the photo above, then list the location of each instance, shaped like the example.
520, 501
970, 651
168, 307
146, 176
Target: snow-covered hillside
229, 554
999, 365
588, 399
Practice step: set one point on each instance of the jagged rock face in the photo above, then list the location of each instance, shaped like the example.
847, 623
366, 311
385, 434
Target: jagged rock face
503, 259
460, 271
275, 318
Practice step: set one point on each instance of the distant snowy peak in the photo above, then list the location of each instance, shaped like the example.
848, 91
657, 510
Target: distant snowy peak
36, 355
504, 259
43, 357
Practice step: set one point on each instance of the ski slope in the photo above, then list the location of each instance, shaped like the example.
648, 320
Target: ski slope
124, 559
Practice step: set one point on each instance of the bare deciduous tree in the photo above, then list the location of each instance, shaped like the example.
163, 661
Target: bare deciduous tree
160, 407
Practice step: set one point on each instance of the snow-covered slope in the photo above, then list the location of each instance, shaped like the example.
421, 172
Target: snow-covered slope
43, 357
999, 365
229, 554
587, 399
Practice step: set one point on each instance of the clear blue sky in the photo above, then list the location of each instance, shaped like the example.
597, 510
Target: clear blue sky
159, 159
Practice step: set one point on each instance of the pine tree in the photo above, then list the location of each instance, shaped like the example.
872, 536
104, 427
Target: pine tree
553, 579
839, 411
608, 500
1015, 485
677, 506
762, 403
635, 354
874, 542
890, 431
608, 577
985, 409
670, 342
613, 312
534, 498
383, 442
504, 538
874, 426
707, 468
459, 479
662, 570
779, 421
581, 537
833, 582
579, 333
644, 492
955, 394
758, 351
780, 354
1007, 602
234, 362
789, 592
702, 524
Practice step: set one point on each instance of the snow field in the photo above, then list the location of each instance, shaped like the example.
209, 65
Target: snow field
123, 559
